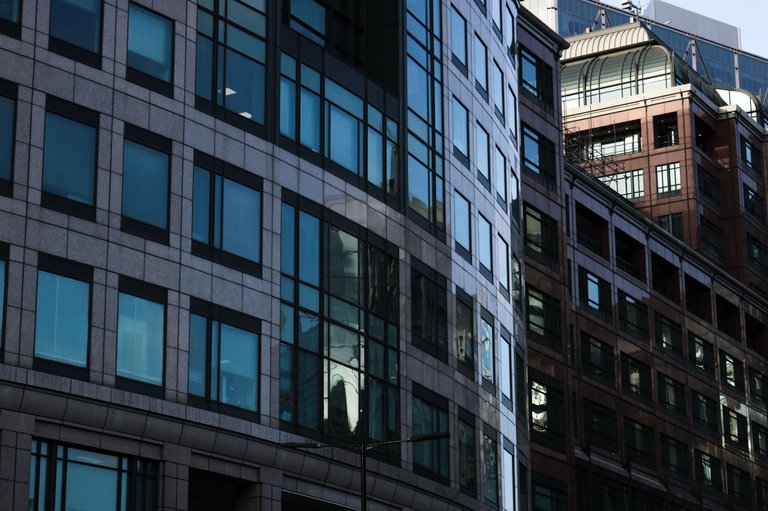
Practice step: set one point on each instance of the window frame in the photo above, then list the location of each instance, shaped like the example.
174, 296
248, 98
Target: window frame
668, 180
642, 455
708, 424
461, 65
487, 374
4, 260
738, 373
551, 330
603, 370
642, 391
439, 404
139, 77
480, 53
486, 271
457, 107
10, 91
437, 344
466, 364
10, 27
552, 433
733, 421
465, 252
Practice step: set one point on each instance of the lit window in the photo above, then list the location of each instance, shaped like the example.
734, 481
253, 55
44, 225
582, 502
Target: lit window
668, 179
150, 49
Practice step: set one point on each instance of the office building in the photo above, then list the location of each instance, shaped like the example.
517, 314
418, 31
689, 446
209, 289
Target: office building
227, 226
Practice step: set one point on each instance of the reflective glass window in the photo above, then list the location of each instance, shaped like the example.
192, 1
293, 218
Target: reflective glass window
467, 456
462, 223
483, 155
150, 43
490, 469
485, 244
10, 10
481, 64
69, 159
77, 23
500, 175
460, 128
140, 339
145, 184
62, 319
459, 37
431, 456
465, 345
308, 18
487, 369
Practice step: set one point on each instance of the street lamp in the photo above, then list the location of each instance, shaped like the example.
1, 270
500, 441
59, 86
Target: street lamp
364, 447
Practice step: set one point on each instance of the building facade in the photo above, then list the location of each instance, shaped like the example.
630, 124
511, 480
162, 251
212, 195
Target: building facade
230, 225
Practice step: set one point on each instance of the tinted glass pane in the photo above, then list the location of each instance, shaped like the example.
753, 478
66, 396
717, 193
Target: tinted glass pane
343, 139
287, 107
145, 185
9, 10
481, 140
310, 119
203, 68
343, 394
239, 367
242, 221
244, 86
461, 222
418, 89
419, 189
458, 36
486, 351
460, 136
77, 22
90, 488
6, 136
198, 327
61, 327
201, 204
70, 159
309, 249
149, 43
140, 339
484, 243
310, 13
481, 69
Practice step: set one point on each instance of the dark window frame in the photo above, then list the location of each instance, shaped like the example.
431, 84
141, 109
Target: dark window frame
10, 90
644, 455
74, 52
641, 390
439, 404
734, 421
551, 329
437, 343
602, 370
144, 79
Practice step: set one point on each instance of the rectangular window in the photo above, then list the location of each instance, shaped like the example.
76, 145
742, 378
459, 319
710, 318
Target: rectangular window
757, 384
430, 415
735, 429
141, 331
344, 127
226, 214
481, 66
508, 474
544, 319
595, 295
701, 354
762, 493
483, 156
711, 236
231, 60
600, 426
500, 175
633, 316
459, 40
757, 253
503, 266
674, 456
429, 310
223, 358
760, 439
673, 224
498, 91
496, 13
708, 470
665, 130
541, 237
487, 352
547, 422
671, 395
505, 354
709, 187
467, 453
462, 219
669, 336
597, 360
509, 34
538, 155
485, 246
521, 388
536, 79
308, 19
465, 327
490, 469
146, 180
668, 179
548, 494
739, 484
636, 379
66, 477
460, 132
69, 158
731, 372
629, 185
704, 412
750, 156
150, 49
75, 30
754, 204
62, 322
639, 443
8, 94
10, 18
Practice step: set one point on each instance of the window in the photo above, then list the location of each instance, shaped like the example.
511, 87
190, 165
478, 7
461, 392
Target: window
731, 372
750, 156
3, 276
541, 237
754, 204
482, 147
308, 19
636, 379
762, 493
673, 224
711, 236
521, 388
739, 484
517, 283
505, 354
639, 443
459, 40
485, 246
760, 434
62, 323
10, 18
344, 127
757, 385
223, 358
508, 474
598, 143
150, 49
669, 336
339, 331
757, 253
503, 267
65, 477
428, 310
514, 189
467, 453
140, 331
595, 295
548, 494
231, 60
498, 91
674, 456
75, 30
430, 415
500, 175
735, 426
538, 154
701, 354
600, 426
460, 134
544, 319
597, 360
704, 411
509, 33
462, 226
465, 327
629, 185
487, 352
709, 187
69, 158
668, 179
547, 422
146, 178
536, 79
226, 214
708, 472
665, 130
8, 93
633, 316
496, 10
490, 468
481, 66
671, 395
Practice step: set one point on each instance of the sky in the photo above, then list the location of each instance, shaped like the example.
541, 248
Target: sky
748, 15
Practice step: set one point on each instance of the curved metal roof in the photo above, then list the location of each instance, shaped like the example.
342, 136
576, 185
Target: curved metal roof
608, 40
